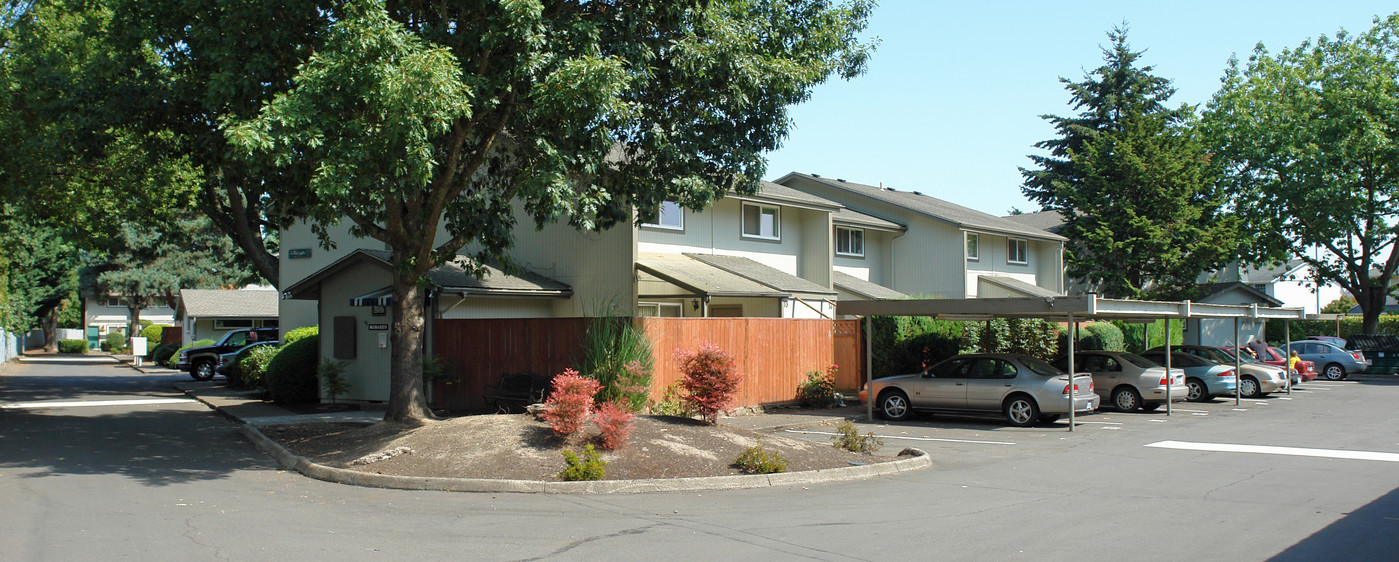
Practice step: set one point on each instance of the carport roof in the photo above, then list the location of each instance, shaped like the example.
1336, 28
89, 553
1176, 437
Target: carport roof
1084, 307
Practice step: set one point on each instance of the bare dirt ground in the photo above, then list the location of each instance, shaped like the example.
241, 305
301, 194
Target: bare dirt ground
517, 446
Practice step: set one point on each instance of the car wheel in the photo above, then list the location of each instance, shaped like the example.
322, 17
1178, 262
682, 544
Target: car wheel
203, 370
1196, 391
1248, 387
893, 405
1334, 372
1150, 407
1126, 399
1021, 411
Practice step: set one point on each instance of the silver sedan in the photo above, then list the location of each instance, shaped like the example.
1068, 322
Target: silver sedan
1023, 389
1129, 381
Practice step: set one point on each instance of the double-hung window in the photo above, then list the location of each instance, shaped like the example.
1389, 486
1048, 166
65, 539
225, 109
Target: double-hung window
850, 241
973, 247
670, 216
1015, 251
761, 221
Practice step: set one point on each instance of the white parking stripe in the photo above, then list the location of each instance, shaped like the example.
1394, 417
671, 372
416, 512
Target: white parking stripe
909, 438
80, 404
1268, 450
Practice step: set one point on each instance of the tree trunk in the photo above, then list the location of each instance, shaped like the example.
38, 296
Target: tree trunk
49, 324
134, 329
407, 401
1371, 301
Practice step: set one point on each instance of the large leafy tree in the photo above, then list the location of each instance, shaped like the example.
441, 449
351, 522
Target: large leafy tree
102, 91
419, 115
1309, 145
40, 276
152, 265
1134, 183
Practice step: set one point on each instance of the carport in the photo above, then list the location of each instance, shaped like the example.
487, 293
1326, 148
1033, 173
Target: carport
1064, 309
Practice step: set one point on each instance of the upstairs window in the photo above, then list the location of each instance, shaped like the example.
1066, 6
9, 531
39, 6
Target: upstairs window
1015, 251
760, 221
850, 242
670, 216
973, 247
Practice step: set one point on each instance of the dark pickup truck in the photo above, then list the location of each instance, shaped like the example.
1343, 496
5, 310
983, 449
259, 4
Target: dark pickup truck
202, 363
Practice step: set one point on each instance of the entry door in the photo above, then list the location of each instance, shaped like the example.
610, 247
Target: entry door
990, 380
945, 386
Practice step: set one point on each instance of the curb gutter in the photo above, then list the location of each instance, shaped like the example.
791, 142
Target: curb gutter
911, 459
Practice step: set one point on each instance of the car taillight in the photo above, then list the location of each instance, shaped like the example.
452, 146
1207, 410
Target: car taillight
1357, 355
1076, 388
1226, 375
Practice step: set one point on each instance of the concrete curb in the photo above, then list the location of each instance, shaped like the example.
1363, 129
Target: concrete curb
917, 459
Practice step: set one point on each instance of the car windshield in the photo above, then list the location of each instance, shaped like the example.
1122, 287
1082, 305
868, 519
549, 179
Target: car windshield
1040, 367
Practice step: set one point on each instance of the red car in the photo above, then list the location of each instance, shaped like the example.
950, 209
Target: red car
1278, 358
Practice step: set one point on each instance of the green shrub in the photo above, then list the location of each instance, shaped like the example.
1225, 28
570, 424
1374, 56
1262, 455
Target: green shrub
161, 353
299, 333
153, 333
672, 403
589, 468
105, 345
757, 460
1132, 334
72, 346
116, 341
291, 374
908, 344
175, 357
849, 438
332, 375
618, 356
819, 389
252, 367
1102, 336
1030, 336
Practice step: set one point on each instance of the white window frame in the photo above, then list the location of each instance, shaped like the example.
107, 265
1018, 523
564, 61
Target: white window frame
852, 235
762, 210
973, 246
655, 309
1018, 246
658, 221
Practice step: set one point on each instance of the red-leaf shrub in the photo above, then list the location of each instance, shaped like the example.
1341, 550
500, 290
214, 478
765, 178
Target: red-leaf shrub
711, 378
569, 404
614, 421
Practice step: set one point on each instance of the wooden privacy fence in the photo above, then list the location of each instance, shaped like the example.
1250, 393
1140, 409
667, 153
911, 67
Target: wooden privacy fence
774, 354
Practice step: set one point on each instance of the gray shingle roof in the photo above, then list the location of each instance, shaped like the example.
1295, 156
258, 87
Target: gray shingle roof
760, 273
1050, 221
844, 216
698, 276
1027, 289
782, 194
933, 207
450, 277
230, 303
863, 288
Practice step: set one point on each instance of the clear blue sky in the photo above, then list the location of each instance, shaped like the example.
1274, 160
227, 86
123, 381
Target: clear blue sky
951, 102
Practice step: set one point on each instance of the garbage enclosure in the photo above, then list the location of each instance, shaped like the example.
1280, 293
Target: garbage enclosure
1382, 351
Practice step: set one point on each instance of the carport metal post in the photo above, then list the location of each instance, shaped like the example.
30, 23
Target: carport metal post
1167, 331
869, 369
1238, 377
1287, 354
1073, 386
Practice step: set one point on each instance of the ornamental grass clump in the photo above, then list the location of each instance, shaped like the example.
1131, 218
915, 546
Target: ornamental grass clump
571, 402
757, 460
711, 380
849, 438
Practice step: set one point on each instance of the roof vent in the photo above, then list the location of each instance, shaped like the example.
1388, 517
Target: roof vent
815, 175
918, 193
840, 180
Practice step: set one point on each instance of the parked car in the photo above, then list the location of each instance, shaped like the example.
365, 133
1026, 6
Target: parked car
1255, 379
1277, 357
1204, 379
1128, 381
202, 362
1333, 340
226, 360
1336, 363
1024, 389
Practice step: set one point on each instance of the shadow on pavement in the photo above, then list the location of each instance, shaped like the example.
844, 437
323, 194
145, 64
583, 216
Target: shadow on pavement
158, 447
1368, 533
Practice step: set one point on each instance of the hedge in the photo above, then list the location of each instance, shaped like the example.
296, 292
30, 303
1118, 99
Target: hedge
153, 333
162, 353
1102, 336
72, 346
291, 374
294, 335
250, 369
